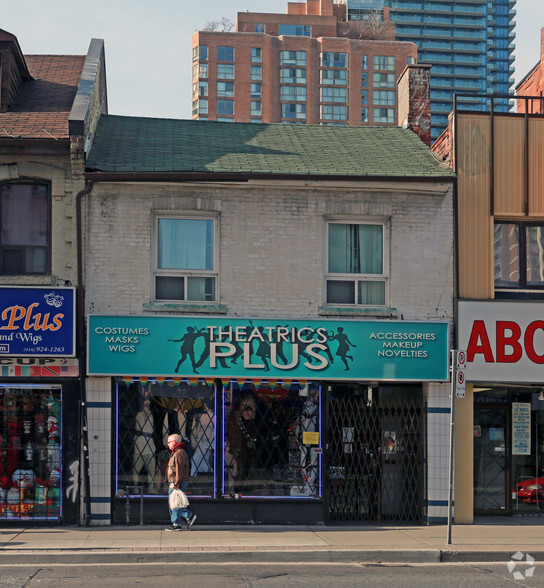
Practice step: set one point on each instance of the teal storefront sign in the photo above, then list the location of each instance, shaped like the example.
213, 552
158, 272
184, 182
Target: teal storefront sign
264, 348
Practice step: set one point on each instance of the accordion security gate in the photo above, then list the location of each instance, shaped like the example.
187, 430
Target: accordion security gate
375, 466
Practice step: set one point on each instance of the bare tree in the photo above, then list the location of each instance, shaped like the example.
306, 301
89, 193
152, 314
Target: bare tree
213, 25
372, 27
224, 25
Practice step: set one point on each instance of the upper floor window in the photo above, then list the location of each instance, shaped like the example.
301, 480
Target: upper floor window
292, 57
225, 89
383, 80
384, 98
225, 72
383, 115
334, 59
185, 263
25, 215
256, 91
334, 94
293, 93
384, 62
256, 55
334, 76
297, 30
200, 52
356, 264
225, 53
364, 62
291, 75
256, 72
259, 27
225, 107
333, 112
293, 110
256, 108
519, 255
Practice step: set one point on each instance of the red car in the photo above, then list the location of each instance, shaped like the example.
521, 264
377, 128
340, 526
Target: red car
531, 490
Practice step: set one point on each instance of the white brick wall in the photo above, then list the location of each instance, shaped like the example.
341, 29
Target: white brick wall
271, 245
271, 262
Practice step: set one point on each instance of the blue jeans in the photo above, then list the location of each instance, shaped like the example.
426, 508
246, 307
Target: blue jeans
179, 516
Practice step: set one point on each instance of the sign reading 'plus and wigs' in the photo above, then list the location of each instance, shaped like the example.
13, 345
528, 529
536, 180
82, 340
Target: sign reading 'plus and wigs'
37, 322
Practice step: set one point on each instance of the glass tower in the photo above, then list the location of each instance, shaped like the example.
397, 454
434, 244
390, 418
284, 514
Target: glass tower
469, 43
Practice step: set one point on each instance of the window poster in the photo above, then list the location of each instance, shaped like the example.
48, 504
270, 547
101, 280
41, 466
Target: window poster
521, 428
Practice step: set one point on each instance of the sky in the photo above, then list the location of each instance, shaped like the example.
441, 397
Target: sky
148, 43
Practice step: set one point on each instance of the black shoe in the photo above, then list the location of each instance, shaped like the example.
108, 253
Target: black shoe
174, 528
191, 521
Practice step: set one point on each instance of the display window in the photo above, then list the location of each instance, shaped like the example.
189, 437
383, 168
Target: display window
269, 443
30, 452
509, 450
272, 445
150, 411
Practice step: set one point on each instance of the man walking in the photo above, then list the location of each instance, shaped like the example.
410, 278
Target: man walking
178, 476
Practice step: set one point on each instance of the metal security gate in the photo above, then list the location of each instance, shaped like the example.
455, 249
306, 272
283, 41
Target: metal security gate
375, 458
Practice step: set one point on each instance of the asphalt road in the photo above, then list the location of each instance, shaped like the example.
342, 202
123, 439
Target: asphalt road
267, 576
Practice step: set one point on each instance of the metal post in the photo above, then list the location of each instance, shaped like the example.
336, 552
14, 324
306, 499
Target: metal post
452, 421
140, 490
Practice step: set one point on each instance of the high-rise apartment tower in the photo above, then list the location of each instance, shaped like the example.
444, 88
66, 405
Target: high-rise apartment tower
305, 66
469, 44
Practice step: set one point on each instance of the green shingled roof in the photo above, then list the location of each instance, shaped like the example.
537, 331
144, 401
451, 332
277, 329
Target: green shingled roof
134, 144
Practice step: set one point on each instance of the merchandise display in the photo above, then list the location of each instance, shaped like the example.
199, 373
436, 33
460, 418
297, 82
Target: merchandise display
30, 452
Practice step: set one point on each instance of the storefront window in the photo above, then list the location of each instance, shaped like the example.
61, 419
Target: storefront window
270, 444
147, 414
30, 452
509, 450
272, 441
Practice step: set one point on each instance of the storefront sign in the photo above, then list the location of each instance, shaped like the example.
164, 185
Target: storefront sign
238, 348
504, 341
37, 322
521, 428
39, 367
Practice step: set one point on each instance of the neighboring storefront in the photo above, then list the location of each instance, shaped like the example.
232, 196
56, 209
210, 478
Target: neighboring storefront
505, 354
285, 420
39, 404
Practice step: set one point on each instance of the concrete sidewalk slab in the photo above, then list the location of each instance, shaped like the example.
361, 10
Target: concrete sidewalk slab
230, 543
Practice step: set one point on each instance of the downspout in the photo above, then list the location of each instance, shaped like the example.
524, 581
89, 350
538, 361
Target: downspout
82, 354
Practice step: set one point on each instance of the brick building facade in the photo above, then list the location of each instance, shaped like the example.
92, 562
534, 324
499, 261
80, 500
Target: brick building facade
49, 108
301, 67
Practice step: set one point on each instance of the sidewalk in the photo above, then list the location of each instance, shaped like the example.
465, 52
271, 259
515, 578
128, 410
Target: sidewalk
218, 544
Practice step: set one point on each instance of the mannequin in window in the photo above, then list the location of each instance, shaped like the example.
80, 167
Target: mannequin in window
242, 438
144, 460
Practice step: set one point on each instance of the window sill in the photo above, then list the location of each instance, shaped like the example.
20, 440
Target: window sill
186, 308
368, 311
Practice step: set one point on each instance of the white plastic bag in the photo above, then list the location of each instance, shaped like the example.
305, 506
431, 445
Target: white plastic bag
177, 499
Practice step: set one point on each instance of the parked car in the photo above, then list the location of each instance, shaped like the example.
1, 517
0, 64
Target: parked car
531, 490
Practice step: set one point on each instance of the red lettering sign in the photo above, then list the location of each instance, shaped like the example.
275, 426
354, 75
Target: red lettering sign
511, 340
479, 343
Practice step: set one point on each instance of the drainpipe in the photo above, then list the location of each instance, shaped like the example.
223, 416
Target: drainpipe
82, 354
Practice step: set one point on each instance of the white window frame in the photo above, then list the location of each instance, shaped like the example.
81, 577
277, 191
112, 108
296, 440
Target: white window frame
182, 273
356, 278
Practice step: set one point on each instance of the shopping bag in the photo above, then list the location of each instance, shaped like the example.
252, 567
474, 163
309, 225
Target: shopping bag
177, 499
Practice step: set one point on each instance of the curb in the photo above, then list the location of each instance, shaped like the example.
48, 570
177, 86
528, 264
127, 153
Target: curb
85, 556
369, 556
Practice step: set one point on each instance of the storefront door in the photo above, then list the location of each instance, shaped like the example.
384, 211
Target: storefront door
491, 460
376, 453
